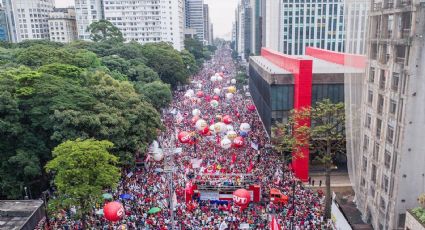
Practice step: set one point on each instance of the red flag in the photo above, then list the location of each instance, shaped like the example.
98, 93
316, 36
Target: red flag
273, 224
250, 167
233, 158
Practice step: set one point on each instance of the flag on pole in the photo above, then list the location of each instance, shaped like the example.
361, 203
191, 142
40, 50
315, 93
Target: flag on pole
273, 224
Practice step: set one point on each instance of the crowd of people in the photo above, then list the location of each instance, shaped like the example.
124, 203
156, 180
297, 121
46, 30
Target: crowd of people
204, 162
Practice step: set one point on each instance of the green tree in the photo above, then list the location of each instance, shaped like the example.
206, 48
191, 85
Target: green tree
116, 63
142, 74
38, 55
61, 70
157, 93
82, 170
167, 62
104, 30
325, 137
189, 61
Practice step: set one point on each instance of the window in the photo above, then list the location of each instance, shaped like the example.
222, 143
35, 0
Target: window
366, 142
382, 80
384, 184
364, 164
378, 127
380, 103
387, 159
376, 151
393, 107
373, 174
395, 81
390, 134
372, 75
368, 121
382, 203
370, 97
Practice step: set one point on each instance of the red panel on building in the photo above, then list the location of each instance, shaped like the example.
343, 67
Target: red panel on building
303, 73
352, 60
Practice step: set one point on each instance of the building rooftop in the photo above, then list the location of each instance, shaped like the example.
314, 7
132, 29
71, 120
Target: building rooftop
319, 66
15, 213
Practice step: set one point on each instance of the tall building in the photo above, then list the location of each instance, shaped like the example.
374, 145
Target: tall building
27, 19
271, 24
141, 21
256, 26
316, 24
4, 27
356, 14
389, 172
207, 24
194, 10
62, 25
243, 23
87, 12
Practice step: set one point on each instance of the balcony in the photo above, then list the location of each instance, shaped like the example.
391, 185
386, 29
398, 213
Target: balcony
377, 6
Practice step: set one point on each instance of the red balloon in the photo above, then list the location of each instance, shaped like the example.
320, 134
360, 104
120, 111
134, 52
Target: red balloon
113, 211
221, 74
251, 107
184, 137
241, 197
238, 142
217, 98
208, 98
205, 131
227, 119
200, 94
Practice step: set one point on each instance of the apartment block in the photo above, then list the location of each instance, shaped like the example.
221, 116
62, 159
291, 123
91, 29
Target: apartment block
62, 25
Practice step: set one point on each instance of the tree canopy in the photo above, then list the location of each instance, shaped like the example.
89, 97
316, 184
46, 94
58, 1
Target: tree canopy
104, 30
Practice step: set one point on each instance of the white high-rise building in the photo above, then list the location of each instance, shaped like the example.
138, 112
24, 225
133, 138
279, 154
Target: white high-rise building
271, 24
28, 19
87, 12
62, 25
355, 15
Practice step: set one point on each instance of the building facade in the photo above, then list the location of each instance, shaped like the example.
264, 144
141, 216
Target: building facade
4, 27
194, 10
311, 23
356, 14
389, 175
28, 19
207, 24
271, 24
62, 25
87, 12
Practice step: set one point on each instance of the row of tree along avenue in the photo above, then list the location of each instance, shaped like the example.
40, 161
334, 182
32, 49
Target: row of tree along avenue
81, 103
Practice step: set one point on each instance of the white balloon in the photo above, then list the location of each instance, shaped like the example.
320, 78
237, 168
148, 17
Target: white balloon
226, 143
199, 86
217, 91
229, 96
219, 78
214, 103
214, 78
158, 155
229, 128
233, 81
217, 74
201, 124
212, 128
196, 112
245, 127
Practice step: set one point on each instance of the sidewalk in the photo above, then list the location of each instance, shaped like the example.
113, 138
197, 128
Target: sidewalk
339, 181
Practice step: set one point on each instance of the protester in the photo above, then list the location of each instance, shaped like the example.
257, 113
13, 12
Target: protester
149, 186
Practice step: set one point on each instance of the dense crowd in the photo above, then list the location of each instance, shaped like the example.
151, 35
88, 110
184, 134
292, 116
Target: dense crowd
254, 163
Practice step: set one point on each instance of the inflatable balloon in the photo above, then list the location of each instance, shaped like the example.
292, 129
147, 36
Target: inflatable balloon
214, 78
217, 90
158, 155
231, 135
229, 128
221, 74
238, 142
251, 107
226, 143
229, 96
205, 131
227, 119
245, 127
199, 86
195, 119
217, 98
241, 198
219, 78
214, 103
217, 74
196, 112
233, 81
231, 89
184, 137
212, 128
208, 98
201, 124
113, 211
243, 134
200, 94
